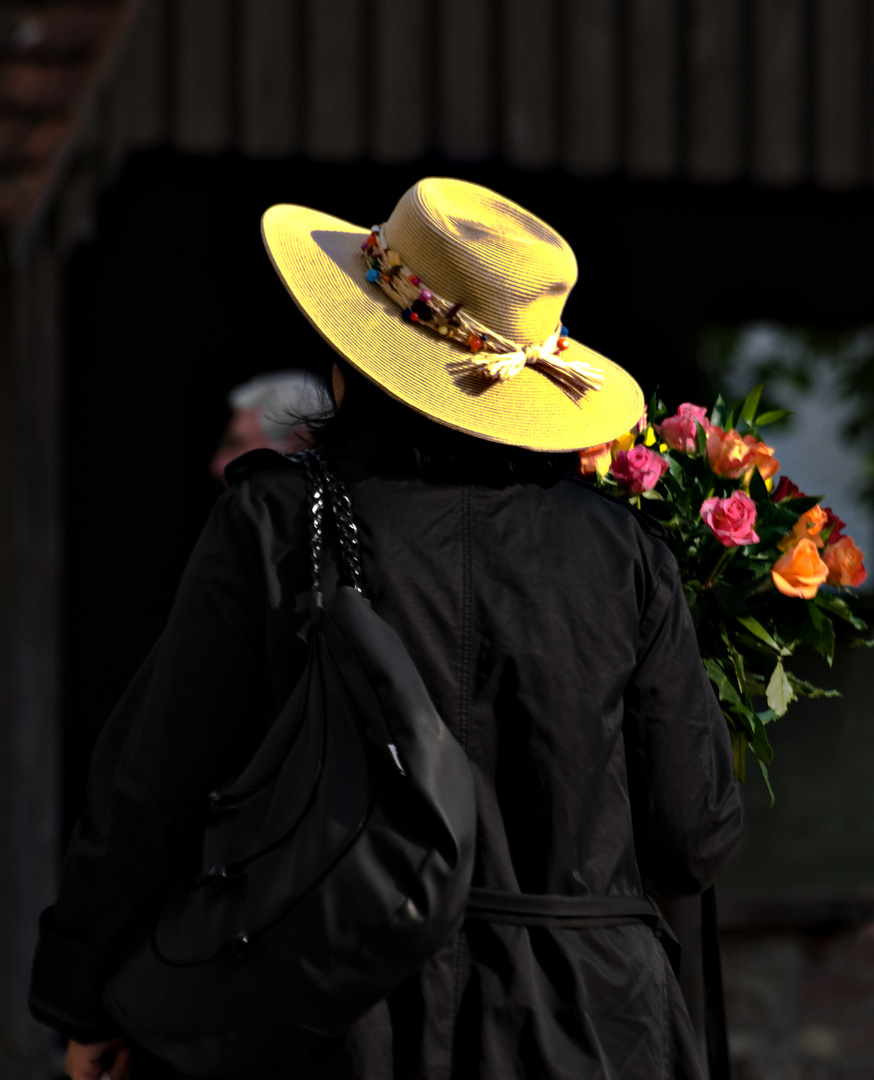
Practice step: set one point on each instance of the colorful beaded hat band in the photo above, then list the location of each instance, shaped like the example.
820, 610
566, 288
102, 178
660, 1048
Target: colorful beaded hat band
488, 353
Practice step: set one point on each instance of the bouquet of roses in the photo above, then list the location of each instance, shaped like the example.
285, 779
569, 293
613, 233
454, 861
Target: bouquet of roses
764, 567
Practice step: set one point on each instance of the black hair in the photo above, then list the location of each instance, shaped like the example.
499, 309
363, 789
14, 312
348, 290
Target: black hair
407, 441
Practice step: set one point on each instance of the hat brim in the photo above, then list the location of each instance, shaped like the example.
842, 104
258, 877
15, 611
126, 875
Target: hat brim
319, 259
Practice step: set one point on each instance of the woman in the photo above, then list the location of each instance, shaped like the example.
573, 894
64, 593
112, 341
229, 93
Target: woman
547, 621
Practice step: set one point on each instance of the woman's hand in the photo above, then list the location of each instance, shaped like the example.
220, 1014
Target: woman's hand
95, 1061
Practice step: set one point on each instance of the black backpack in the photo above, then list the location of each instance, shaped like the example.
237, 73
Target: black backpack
333, 868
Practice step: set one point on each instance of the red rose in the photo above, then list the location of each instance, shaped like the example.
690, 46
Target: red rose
833, 526
785, 490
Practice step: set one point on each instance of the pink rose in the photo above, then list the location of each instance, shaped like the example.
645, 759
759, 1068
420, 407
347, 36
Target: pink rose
680, 431
638, 469
731, 520
697, 412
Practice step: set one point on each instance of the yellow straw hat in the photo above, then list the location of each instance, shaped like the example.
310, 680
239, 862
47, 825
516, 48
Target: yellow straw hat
453, 307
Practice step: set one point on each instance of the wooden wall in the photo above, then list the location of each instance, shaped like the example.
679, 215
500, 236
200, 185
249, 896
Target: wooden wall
777, 92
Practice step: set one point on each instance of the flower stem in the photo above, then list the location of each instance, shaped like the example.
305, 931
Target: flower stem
719, 563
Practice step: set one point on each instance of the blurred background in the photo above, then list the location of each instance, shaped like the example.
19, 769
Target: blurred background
712, 164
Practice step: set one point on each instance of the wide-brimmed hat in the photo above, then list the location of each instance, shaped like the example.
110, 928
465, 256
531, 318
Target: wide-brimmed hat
453, 306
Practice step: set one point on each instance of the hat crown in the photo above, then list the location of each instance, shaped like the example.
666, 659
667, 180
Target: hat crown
467, 244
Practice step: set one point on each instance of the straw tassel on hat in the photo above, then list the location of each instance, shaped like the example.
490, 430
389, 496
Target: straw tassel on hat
453, 306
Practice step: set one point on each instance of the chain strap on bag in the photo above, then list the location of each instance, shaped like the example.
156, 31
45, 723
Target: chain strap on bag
332, 868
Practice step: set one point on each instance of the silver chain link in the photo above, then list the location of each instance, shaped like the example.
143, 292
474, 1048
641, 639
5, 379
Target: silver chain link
316, 497
325, 486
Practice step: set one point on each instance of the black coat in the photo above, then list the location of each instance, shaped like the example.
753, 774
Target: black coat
549, 624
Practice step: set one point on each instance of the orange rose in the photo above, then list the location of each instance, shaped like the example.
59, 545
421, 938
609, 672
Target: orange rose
731, 455
807, 527
763, 457
844, 562
596, 459
800, 572
727, 453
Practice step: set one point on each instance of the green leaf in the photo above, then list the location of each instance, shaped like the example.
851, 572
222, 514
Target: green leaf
759, 742
736, 707
821, 633
748, 410
803, 688
756, 646
725, 689
862, 643
739, 752
767, 780
838, 606
701, 440
756, 628
737, 661
772, 417
717, 413
758, 489
779, 692
801, 505
656, 407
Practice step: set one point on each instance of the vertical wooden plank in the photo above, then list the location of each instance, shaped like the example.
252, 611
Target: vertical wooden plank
30, 732
339, 74
589, 140
202, 75
715, 91
528, 80
778, 91
653, 70
402, 87
466, 89
840, 89
270, 57
139, 104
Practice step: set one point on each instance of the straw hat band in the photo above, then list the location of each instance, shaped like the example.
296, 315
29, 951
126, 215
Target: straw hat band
462, 258
490, 354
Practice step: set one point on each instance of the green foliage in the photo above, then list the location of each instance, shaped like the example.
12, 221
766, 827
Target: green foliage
750, 629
